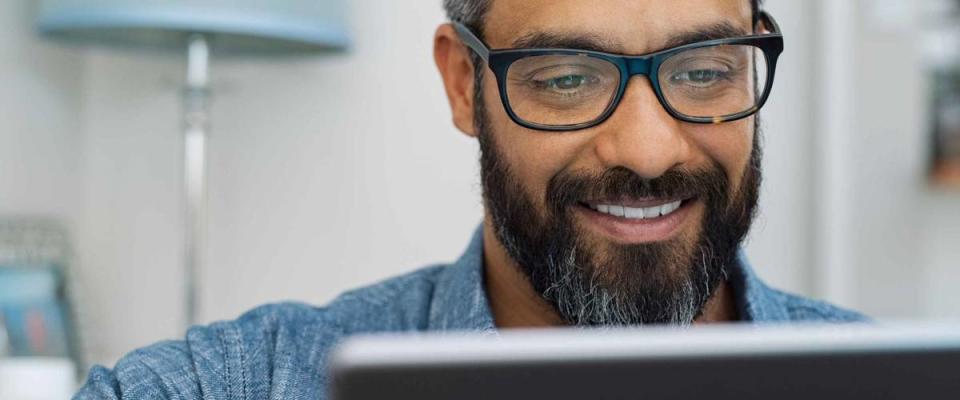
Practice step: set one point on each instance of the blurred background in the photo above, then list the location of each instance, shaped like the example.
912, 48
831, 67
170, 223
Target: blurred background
327, 172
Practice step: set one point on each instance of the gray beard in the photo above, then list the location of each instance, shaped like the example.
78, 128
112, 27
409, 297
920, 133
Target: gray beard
583, 300
653, 283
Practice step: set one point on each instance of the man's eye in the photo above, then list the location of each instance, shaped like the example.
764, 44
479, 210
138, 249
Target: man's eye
699, 77
566, 82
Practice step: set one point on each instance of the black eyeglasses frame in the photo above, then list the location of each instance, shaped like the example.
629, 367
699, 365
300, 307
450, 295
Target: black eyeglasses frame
500, 60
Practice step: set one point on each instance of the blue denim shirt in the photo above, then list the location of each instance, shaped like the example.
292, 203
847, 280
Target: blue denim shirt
279, 351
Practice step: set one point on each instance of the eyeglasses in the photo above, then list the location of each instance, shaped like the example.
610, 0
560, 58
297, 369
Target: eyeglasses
707, 82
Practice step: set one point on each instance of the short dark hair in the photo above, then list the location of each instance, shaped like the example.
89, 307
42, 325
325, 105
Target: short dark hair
472, 12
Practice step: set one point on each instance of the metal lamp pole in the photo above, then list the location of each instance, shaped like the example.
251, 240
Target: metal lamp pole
195, 124
249, 28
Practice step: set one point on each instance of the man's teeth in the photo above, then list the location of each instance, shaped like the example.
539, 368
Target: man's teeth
637, 213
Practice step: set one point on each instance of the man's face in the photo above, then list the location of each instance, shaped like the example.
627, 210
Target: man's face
553, 197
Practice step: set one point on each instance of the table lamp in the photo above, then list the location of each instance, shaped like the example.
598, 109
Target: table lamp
250, 28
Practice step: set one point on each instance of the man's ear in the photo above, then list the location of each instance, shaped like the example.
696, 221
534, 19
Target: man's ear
456, 69
762, 24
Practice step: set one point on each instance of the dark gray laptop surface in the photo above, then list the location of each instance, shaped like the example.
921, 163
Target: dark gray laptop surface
720, 362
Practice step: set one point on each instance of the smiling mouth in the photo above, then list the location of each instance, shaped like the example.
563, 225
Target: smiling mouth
636, 210
632, 221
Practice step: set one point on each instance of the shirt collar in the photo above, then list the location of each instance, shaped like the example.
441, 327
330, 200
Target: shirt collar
460, 300
756, 302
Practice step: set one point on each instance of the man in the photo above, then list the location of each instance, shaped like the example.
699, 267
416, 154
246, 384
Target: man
617, 190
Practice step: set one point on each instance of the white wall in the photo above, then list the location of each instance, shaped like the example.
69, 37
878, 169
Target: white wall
129, 236
40, 114
330, 172
905, 233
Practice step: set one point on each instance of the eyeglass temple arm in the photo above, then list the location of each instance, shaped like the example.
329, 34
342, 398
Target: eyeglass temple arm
767, 20
472, 41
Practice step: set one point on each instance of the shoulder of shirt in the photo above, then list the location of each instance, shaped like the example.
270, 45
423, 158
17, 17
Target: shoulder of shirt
239, 358
761, 303
805, 309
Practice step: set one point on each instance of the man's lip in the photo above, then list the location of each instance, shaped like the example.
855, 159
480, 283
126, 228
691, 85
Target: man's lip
636, 202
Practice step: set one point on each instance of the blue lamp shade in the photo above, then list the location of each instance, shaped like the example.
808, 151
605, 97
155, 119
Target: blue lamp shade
234, 26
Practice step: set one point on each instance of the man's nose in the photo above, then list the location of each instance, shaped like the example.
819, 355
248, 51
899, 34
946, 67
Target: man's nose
641, 135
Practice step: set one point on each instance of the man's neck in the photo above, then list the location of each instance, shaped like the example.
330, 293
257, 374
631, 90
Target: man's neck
515, 303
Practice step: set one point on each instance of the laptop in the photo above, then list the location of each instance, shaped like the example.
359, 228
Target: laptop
711, 362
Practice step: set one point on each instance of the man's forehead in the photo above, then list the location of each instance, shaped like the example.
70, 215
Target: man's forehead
619, 26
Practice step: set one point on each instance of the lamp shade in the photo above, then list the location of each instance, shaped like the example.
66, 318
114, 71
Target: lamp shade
234, 26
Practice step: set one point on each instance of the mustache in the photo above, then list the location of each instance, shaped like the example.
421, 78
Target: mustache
570, 188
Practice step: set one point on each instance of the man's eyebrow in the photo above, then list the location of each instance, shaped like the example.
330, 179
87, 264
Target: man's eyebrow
565, 40
594, 42
720, 30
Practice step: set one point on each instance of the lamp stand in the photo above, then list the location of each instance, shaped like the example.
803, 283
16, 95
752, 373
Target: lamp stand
195, 125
